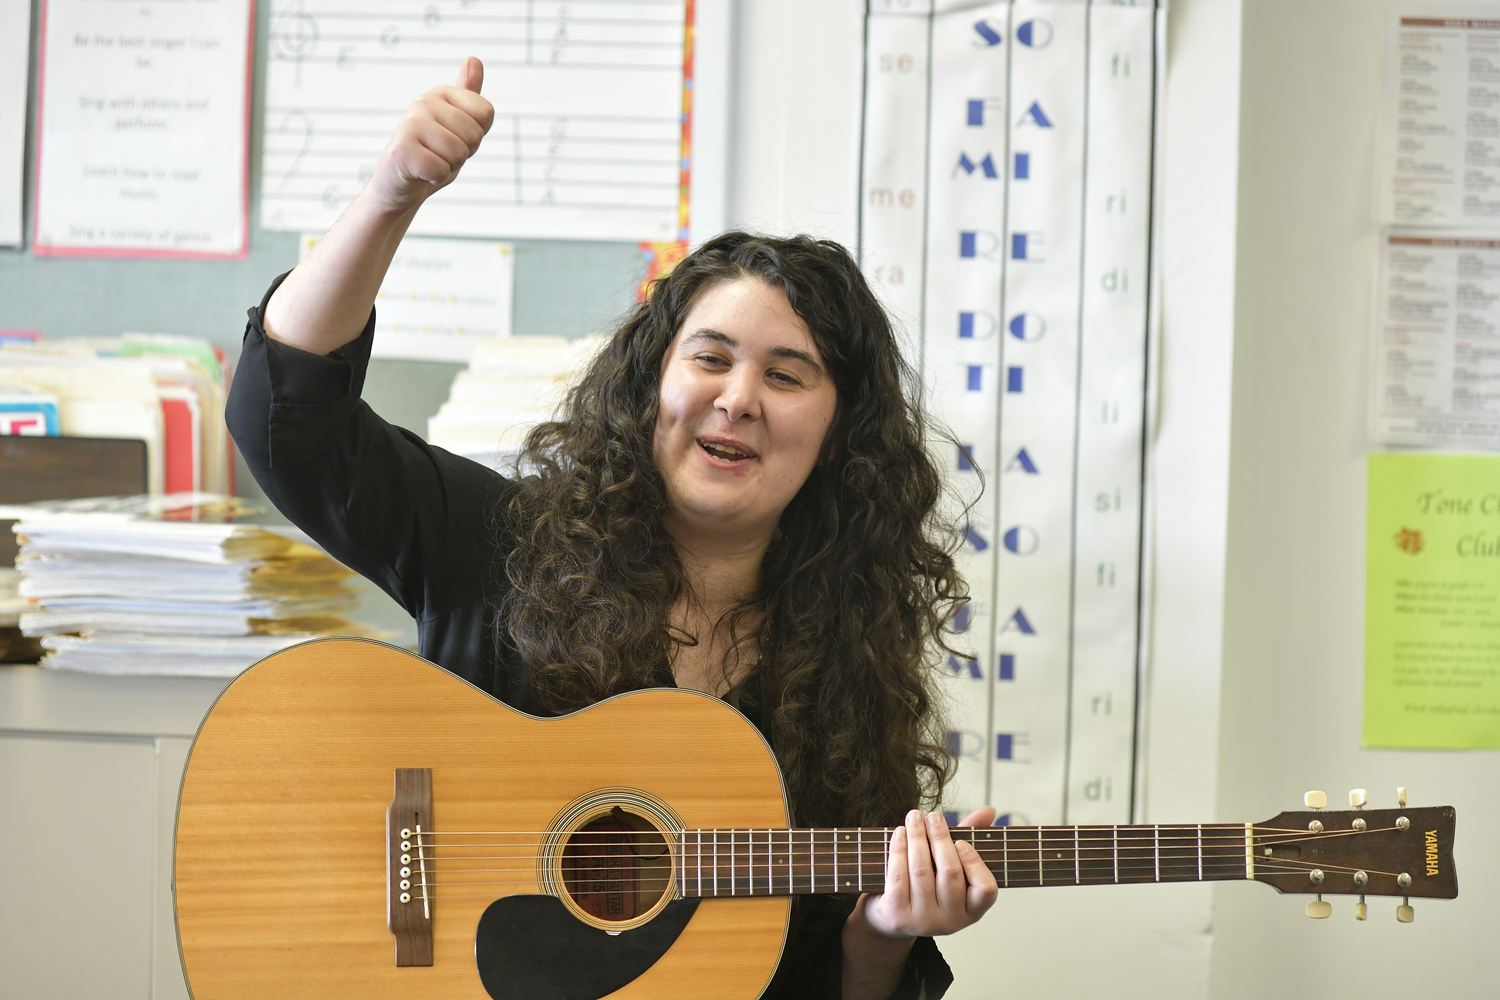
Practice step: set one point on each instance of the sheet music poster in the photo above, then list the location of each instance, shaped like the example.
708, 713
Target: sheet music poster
590, 139
1006, 186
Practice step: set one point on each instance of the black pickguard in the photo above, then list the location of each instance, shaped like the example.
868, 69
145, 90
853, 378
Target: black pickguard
531, 946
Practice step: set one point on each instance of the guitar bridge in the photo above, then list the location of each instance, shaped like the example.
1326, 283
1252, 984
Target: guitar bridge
408, 865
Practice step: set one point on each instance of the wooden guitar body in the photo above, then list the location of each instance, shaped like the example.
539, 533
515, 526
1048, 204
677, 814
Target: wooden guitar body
281, 876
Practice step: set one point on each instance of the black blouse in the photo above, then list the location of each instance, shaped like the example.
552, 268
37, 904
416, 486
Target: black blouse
415, 520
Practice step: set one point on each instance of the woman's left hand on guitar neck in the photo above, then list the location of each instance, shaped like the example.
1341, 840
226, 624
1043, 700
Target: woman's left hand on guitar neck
933, 885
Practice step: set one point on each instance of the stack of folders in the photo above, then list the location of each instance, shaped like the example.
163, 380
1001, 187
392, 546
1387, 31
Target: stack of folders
511, 385
172, 584
165, 390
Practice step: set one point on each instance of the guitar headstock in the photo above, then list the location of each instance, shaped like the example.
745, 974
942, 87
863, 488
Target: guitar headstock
1361, 852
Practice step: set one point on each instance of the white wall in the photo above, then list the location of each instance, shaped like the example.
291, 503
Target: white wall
794, 167
1293, 629
795, 113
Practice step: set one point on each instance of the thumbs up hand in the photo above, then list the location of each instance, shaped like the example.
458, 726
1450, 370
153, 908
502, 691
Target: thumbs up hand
437, 135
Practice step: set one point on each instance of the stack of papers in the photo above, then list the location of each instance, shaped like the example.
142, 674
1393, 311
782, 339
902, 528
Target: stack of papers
11, 601
511, 385
165, 390
14, 647
174, 584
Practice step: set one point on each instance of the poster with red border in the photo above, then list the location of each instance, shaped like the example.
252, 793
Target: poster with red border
143, 129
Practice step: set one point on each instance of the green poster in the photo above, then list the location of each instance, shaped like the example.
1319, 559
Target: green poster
1432, 602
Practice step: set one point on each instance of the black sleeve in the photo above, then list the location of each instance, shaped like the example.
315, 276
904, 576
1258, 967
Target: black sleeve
410, 517
813, 966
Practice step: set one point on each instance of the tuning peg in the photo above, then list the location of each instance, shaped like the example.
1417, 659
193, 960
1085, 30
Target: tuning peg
1315, 800
1317, 908
1361, 912
1400, 795
1404, 912
1358, 797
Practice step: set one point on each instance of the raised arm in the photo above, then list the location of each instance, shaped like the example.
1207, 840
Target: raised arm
324, 303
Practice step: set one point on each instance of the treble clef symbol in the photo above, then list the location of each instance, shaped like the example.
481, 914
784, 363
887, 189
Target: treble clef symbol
295, 36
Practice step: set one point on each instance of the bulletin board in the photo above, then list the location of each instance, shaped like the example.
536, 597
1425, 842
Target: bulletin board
563, 287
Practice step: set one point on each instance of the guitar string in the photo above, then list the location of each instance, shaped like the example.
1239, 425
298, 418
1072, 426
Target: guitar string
1099, 864
1237, 829
875, 863
1109, 847
1162, 841
1227, 832
776, 889
1101, 872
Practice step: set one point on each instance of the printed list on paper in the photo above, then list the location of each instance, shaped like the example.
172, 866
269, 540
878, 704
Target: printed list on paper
143, 128
587, 137
1437, 341
1439, 152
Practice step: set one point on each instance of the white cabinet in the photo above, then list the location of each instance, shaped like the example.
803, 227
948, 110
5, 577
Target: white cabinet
89, 772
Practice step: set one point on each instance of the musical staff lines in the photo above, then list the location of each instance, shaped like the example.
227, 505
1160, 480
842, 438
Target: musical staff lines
587, 137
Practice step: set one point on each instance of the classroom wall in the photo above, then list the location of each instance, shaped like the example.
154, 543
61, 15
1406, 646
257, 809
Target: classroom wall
1257, 477
795, 128
1294, 611
562, 287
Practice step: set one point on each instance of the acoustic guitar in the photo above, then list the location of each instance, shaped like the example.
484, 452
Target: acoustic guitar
357, 822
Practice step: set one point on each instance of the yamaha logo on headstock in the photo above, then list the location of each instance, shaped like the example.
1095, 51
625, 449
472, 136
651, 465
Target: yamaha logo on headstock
1357, 852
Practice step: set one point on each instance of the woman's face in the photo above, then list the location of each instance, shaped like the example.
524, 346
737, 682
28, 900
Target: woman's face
746, 402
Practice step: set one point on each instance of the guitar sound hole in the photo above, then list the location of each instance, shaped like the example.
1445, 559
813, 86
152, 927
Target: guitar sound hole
617, 867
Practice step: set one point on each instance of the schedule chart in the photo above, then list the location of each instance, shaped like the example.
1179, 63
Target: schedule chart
1006, 183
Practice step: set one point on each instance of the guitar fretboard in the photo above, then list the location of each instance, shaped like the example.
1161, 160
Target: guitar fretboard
797, 862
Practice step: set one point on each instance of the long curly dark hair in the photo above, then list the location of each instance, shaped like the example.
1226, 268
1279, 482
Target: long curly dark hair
858, 585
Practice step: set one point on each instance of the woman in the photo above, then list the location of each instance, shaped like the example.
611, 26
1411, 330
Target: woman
738, 501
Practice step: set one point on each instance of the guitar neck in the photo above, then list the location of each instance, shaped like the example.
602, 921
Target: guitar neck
847, 859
